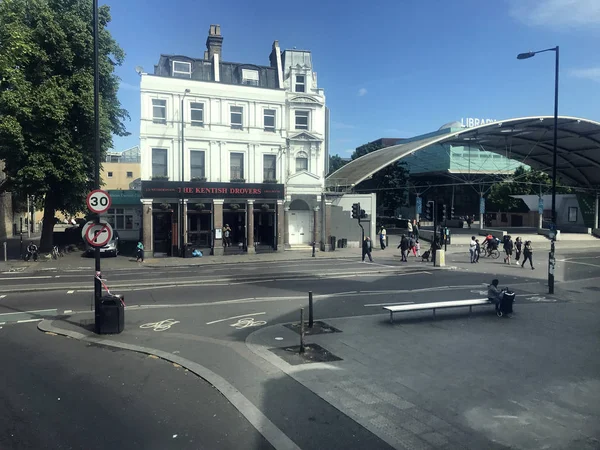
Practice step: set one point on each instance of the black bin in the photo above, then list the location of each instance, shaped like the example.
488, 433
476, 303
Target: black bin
332, 242
187, 252
110, 317
344, 243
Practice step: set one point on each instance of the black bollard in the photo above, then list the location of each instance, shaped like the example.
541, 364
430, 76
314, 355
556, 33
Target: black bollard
310, 309
313, 253
301, 330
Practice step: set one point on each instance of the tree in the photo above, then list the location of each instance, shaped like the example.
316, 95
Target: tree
389, 183
46, 101
335, 162
523, 182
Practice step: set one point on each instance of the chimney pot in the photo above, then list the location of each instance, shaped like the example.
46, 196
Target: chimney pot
214, 42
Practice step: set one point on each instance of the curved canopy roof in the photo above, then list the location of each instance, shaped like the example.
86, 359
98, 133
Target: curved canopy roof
528, 140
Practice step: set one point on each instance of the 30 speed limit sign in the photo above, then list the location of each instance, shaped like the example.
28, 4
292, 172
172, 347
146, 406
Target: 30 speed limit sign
98, 201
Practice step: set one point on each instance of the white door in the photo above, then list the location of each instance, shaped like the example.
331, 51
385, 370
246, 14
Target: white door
299, 227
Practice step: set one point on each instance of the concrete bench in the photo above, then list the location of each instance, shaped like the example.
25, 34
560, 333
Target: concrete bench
436, 305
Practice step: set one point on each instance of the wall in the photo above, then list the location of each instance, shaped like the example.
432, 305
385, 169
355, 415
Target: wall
119, 179
343, 226
367, 202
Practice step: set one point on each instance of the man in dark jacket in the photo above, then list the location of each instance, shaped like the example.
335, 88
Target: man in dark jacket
367, 246
403, 246
508, 248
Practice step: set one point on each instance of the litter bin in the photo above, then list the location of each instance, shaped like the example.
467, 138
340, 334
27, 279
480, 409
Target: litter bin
110, 318
332, 242
344, 243
187, 252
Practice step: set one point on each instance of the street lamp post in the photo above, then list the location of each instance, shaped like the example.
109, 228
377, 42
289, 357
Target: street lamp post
551, 255
181, 217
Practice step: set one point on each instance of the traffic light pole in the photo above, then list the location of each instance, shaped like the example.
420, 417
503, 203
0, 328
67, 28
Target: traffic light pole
434, 246
97, 151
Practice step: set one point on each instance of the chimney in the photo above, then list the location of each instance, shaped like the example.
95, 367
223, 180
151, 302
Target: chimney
214, 42
274, 53
275, 59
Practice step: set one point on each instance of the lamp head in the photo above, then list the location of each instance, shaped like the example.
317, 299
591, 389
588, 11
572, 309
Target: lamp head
526, 55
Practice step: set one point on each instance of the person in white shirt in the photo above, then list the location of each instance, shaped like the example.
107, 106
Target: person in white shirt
410, 228
472, 248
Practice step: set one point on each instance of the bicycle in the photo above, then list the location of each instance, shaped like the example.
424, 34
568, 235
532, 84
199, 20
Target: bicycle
54, 253
493, 253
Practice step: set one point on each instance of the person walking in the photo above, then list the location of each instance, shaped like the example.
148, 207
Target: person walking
367, 246
403, 246
477, 250
416, 230
382, 235
227, 236
140, 252
409, 225
508, 248
518, 249
411, 246
472, 249
528, 254
417, 249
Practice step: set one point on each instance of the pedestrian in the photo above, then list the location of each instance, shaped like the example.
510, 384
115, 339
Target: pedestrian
227, 236
409, 225
403, 246
411, 246
366, 248
417, 248
140, 252
518, 248
477, 250
508, 248
416, 230
382, 235
472, 249
469, 221
528, 254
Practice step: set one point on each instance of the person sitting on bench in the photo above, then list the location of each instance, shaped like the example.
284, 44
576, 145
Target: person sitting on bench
494, 293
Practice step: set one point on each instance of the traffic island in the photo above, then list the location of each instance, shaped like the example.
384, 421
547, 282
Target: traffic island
313, 353
318, 327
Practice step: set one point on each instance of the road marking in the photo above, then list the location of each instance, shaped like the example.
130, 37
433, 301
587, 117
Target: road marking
68, 311
160, 326
580, 263
29, 320
70, 292
235, 317
247, 322
386, 304
2, 296
27, 312
26, 278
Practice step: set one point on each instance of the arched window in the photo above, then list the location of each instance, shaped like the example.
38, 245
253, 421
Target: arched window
301, 162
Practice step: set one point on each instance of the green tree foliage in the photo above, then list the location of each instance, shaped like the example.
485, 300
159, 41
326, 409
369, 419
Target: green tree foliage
390, 183
46, 100
523, 182
335, 162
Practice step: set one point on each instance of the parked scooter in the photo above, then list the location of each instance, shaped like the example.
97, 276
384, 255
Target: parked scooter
32, 251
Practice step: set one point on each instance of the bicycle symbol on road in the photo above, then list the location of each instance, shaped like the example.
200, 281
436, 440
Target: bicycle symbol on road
247, 322
160, 326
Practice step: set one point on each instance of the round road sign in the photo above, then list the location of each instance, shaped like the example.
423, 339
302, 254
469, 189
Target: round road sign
98, 201
98, 234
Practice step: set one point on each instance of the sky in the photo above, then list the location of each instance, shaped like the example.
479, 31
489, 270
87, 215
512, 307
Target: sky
389, 68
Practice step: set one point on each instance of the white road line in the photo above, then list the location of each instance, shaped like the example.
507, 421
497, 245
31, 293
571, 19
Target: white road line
70, 292
2, 296
581, 263
235, 317
2, 323
29, 320
386, 304
27, 312
26, 278
68, 311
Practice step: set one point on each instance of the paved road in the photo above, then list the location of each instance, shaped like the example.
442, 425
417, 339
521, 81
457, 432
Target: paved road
65, 394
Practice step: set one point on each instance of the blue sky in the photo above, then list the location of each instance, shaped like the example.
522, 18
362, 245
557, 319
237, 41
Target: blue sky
390, 68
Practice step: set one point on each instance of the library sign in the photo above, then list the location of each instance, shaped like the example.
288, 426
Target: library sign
191, 189
469, 122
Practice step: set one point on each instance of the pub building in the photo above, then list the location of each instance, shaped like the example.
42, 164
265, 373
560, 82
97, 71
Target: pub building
253, 214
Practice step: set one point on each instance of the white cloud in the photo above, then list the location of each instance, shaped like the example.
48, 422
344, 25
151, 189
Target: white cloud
593, 73
556, 13
362, 92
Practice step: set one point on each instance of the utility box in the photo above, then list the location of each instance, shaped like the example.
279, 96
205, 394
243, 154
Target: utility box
110, 318
440, 258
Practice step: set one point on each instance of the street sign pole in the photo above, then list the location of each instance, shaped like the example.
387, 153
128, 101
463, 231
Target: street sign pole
97, 274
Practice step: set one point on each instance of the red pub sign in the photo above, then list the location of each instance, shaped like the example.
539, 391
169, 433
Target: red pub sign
191, 189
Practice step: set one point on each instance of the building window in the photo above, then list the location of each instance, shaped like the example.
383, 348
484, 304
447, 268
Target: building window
572, 214
159, 162
197, 114
129, 174
300, 83
110, 174
120, 218
301, 163
237, 113
182, 69
159, 111
236, 166
269, 119
302, 120
269, 162
197, 167
250, 77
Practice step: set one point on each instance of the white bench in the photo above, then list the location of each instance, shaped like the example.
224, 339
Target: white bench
436, 305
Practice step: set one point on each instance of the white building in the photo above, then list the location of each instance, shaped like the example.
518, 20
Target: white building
232, 144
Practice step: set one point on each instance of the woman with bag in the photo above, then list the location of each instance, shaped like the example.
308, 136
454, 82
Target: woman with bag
528, 254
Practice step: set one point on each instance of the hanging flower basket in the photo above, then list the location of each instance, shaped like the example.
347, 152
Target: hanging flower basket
165, 206
199, 207
264, 207
160, 178
234, 206
199, 179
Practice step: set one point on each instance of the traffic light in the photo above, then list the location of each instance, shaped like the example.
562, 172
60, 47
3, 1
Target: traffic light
356, 210
444, 215
452, 213
429, 210
363, 214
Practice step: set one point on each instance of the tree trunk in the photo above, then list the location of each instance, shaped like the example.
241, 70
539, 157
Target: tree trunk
47, 239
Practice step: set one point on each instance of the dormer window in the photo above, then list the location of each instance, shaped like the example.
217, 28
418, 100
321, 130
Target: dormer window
250, 77
182, 69
300, 83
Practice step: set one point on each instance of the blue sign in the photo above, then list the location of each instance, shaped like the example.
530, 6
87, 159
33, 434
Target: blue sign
541, 206
419, 205
482, 206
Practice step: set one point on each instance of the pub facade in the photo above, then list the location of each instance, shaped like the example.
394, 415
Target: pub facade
233, 155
